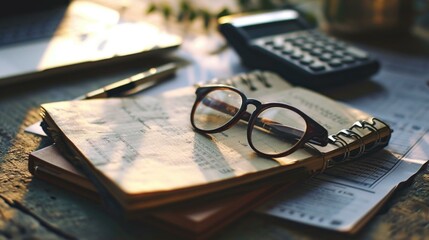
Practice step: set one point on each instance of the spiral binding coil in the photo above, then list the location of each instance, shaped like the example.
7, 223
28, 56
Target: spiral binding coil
349, 154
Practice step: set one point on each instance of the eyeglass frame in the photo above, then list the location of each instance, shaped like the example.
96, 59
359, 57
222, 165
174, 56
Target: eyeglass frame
314, 132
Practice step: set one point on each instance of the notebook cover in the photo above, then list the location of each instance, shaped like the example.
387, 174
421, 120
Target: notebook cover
191, 219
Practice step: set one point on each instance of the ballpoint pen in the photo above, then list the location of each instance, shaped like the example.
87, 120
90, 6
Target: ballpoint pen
123, 87
120, 88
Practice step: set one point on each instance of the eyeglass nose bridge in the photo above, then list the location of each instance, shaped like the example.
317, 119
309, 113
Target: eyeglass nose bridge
254, 102
245, 115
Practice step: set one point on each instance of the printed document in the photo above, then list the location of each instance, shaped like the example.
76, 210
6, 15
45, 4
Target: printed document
344, 198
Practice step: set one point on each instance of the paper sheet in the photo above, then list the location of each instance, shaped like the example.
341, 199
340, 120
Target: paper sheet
343, 198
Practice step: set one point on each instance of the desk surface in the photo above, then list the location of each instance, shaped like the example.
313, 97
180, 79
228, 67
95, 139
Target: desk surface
31, 208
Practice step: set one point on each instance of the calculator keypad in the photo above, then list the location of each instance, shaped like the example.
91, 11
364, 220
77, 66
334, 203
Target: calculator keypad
313, 50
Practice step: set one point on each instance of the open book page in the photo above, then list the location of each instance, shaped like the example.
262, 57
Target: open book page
270, 87
331, 114
145, 145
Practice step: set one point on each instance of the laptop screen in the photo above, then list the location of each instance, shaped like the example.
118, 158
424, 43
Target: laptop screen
81, 35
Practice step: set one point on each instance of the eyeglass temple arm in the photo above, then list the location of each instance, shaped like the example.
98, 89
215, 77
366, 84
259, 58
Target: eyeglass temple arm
270, 126
286, 131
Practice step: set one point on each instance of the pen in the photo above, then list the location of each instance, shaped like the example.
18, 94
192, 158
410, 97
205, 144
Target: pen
147, 78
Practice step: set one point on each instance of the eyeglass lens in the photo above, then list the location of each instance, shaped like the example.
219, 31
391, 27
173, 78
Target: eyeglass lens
277, 130
216, 109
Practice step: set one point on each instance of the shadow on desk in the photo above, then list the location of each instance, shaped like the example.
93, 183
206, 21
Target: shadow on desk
353, 90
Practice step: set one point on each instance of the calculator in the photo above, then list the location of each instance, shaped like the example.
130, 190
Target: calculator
283, 42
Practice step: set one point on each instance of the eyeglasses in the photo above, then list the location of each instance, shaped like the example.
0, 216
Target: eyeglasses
273, 129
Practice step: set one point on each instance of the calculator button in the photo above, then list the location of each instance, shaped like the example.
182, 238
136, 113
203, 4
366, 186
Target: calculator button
296, 55
287, 44
289, 39
278, 41
277, 47
307, 46
326, 57
335, 62
306, 60
269, 42
317, 51
316, 66
329, 48
299, 42
311, 41
287, 50
338, 53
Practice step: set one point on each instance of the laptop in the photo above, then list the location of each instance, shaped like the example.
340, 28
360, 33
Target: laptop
41, 38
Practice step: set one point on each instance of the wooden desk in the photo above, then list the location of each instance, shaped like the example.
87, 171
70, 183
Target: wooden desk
31, 208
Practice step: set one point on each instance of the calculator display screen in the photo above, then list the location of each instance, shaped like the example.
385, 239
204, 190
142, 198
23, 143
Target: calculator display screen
272, 28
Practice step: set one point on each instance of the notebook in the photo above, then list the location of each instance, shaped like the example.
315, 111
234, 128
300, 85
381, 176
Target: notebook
43, 38
196, 220
142, 153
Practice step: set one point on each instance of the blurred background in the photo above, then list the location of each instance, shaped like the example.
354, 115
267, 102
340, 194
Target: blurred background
342, 16
373, 20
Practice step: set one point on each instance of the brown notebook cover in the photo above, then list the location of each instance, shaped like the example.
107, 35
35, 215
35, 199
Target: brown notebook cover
189, 219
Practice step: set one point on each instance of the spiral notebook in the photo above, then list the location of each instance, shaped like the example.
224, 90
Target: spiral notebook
141, 153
